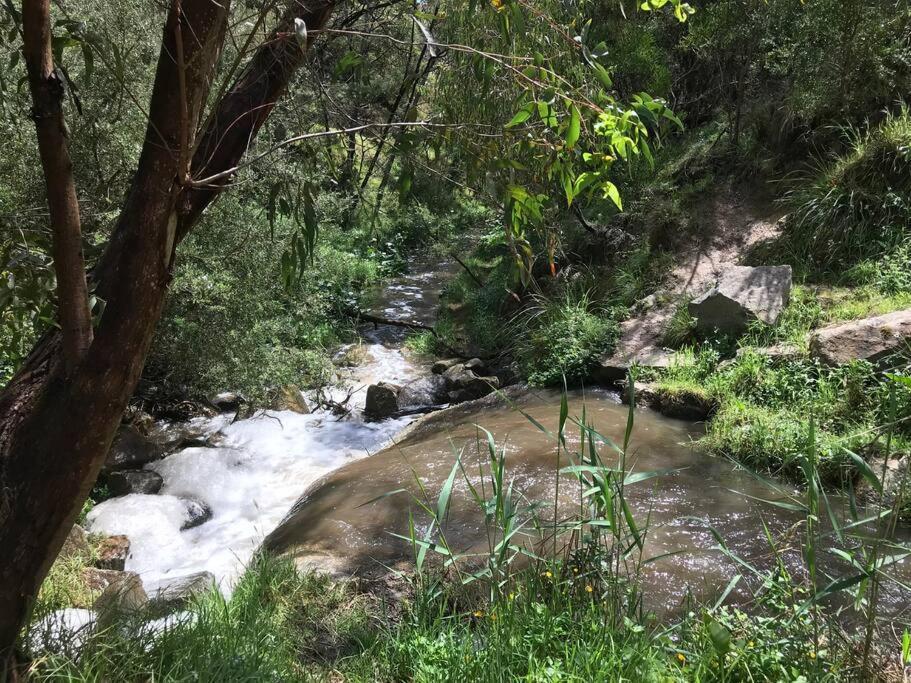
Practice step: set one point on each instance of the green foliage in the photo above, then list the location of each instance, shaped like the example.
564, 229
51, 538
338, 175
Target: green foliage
858, 204
564, 339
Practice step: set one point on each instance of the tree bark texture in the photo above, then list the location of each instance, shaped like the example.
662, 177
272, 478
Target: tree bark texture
55, 428
47, 91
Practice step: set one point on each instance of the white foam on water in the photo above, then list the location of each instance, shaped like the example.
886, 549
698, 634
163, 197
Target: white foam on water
249, 483
260, 468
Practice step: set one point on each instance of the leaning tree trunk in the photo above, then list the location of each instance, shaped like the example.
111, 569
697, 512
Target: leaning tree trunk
57, 423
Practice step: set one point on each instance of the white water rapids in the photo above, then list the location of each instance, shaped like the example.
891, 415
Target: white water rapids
262, 464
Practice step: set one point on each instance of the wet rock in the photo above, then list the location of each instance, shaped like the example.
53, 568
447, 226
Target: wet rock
123, 595
682, 403
870, 339
76, 543
426, 391
227, 401
442, 366
197, 513
742, 295
125, 482
132, 450
113, 552
382, 400
177, 592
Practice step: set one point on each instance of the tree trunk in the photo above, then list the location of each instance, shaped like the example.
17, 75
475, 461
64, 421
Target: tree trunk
55, 428
53, 147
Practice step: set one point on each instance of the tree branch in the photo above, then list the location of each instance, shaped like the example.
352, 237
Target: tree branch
53, 145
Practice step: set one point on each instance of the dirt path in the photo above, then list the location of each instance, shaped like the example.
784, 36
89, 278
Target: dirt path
733, 224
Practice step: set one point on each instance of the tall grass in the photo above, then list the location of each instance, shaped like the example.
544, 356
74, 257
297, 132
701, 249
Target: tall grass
554, 591
858, 203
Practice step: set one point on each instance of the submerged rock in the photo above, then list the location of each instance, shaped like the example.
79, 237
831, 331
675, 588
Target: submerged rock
743, 294
197, 513
113, 552
382, 400
125, 482
870, 339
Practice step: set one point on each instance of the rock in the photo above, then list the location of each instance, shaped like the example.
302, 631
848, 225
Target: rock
123, 595
227, 401
197, 513
476, 365
741, 295
465, 385
113, 552
76, 543
134, 481
353, 356
96, 580
615, 368
442, 366
382, 400
132, 450
682, 404
177, 592
870, 339
291, 398
426, 391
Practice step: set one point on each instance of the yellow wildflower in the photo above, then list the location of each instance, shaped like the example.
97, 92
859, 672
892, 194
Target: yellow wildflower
681, 658
497, 4
811, 655
548, 574
493, 616
478, 613
588, 589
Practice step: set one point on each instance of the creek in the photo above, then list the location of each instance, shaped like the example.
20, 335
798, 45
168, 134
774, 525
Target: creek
254, 479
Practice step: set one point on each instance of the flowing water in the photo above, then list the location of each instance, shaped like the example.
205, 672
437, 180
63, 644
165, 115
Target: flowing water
262, 464
335, 525
265, 463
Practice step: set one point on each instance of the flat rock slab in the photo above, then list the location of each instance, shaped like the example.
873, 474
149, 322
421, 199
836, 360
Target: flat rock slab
743, 294
870, 339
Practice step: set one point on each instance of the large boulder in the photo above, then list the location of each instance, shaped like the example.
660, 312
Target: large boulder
382, 400
870, 339
743, 294
426, 391
124, 482
132, 450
